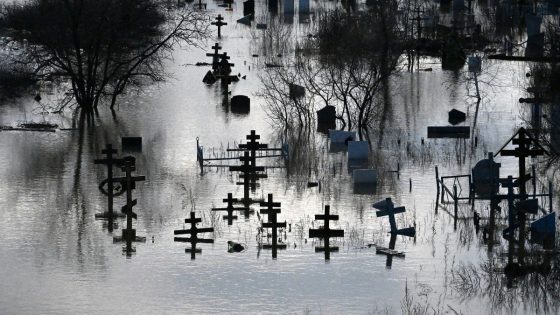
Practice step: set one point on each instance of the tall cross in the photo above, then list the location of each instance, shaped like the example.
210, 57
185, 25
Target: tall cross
326, 232
249, 173
128, 166
215, 56
109, 161
387, 208
253, 146
230, 208
193, 239
273, 209
219, 23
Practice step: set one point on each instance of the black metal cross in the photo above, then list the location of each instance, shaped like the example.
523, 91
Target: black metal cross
230, 208
248, 173
387, 208
224, 66
193, 239
219, 23
128, 166
272, 209
215, 56
109, 161
326, 232
253, 145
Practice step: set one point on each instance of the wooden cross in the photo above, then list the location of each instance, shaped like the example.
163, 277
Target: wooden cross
253, 146
215, 56
193, 239
230, 208
109, 161
387, 208
219, 23
389, 252
326, 232
272, 209
249, 174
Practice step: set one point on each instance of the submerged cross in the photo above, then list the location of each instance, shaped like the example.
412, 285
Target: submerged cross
230, 208
272, 210
326, 232
193, 239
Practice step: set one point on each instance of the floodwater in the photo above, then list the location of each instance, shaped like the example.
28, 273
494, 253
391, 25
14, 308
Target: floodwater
56, 258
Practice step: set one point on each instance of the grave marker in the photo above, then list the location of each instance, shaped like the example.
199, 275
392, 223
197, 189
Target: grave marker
230, 208
193, 239
326, 232
272, 210
109, 161
219, 23
387, 208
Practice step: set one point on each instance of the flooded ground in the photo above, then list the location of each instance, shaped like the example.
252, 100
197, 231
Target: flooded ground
56, 258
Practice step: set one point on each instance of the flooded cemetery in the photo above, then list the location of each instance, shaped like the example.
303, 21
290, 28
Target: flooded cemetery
279, 156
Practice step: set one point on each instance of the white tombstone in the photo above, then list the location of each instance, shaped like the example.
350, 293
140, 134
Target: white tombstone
358, 150
365, 176
341, 136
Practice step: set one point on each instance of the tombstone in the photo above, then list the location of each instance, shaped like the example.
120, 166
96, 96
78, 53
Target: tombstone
230, 208
460, 132
358, 151
131, 144
288, 7
365, 176
209, 78
326, 119
193, 239
452, 57
387, 208
325, 232
543, 230
486, 175
272, 210
341, 136
474, 63
273, 7
249, 7
240, 104
456, 116
296, 91
303, 6
246, 20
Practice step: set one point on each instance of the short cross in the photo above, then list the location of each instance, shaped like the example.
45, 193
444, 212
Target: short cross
387, 208
230, 208
219, 23
193, 239
273, 209
326, 232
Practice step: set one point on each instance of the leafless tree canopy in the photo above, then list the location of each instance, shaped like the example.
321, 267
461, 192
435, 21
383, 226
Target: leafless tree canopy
101, 47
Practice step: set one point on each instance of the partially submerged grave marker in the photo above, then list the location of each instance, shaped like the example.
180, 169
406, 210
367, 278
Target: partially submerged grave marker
325, 232
193, 239
272, 210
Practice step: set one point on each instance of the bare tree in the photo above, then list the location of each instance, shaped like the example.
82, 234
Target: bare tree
102, 47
